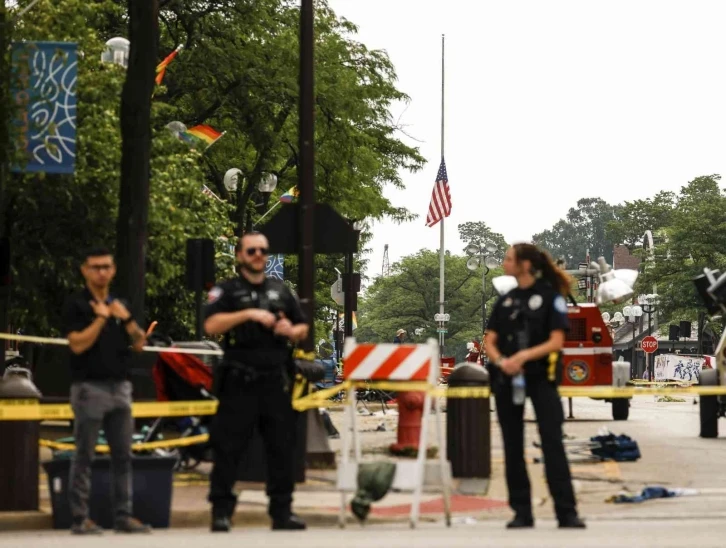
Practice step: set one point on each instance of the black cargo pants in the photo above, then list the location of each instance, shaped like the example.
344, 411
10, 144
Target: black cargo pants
548, 409
265, 402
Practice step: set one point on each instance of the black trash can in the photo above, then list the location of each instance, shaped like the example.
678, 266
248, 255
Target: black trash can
468, 425
152, 490
19, 474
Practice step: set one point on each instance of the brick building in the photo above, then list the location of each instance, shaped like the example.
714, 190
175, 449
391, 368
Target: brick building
623, 259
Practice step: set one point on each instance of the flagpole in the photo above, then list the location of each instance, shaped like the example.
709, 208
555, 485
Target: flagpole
441, 245
217, 139
266, 214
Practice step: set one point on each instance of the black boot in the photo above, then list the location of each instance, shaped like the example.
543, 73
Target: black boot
288, 523
521, 522
220, 524
221, 516
572, 521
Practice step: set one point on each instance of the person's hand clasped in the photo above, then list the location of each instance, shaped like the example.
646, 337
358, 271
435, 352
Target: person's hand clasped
100, 309
266, 318
513, 364
283, 327
118, 310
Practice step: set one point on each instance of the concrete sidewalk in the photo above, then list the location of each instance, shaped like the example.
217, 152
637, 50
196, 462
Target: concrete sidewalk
315, 500
672, 455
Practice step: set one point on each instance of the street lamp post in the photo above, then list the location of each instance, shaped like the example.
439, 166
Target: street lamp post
632, 315
649, 304
265, 187
117, 51
482, 256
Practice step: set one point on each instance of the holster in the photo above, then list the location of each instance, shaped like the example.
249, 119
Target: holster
310, 370
554, 371
229, 370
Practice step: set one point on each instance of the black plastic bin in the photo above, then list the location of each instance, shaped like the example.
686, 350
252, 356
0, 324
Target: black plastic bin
152, 491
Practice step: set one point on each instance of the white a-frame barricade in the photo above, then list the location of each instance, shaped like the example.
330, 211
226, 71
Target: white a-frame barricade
395, 363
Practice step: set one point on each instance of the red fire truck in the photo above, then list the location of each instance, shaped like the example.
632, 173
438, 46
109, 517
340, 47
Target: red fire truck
588, 354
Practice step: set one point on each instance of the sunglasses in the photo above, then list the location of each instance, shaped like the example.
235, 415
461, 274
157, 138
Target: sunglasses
251, 251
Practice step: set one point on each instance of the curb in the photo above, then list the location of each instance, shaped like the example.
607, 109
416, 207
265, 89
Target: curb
187, 519
244, 517
25, 521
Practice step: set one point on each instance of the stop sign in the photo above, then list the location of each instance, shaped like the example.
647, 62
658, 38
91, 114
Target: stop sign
649, 344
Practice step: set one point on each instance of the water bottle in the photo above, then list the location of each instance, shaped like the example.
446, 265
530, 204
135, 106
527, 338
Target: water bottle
519, 392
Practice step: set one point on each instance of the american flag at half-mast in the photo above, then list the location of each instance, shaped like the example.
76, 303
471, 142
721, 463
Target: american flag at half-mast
440, 205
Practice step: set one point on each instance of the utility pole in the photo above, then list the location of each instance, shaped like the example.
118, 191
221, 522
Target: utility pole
306, 186
5, 150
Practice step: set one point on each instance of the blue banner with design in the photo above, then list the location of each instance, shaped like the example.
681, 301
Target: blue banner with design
275, 267
44, 82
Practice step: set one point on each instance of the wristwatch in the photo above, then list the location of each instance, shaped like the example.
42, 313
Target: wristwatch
498, 361
127, 320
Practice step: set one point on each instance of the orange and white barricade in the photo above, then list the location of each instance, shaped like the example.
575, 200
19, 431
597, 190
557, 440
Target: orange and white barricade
395, 364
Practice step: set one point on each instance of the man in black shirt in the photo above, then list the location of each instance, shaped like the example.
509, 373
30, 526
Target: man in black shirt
259, 318
101, 333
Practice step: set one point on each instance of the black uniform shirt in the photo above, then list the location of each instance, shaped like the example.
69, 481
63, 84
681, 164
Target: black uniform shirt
110, 356
251, 343
524, 318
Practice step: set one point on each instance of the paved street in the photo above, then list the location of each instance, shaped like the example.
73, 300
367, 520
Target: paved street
701, 533
673, 456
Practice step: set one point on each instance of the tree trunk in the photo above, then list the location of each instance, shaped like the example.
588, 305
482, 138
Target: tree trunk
133, 212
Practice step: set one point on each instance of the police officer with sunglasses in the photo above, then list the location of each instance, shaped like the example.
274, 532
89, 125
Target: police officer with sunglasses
260, 319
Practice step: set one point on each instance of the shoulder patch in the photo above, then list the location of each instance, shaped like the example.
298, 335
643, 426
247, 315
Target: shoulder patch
214, 294
560, 304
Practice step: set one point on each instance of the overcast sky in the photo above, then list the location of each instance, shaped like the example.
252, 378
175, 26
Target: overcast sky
548, 102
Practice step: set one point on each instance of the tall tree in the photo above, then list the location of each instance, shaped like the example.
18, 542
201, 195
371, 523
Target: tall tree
238, 72
478, 233
695, 238
634, 218
408, 299
585, 227
133, 213
55, 216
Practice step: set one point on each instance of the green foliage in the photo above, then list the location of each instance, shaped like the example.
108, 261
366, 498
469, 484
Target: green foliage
55, 217
238, 72
408, 299
585, 227
478, 233
634, 218
695, 237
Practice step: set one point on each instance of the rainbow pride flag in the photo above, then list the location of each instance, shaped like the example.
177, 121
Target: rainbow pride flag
290, 195
203, 133
341, 315
161, 67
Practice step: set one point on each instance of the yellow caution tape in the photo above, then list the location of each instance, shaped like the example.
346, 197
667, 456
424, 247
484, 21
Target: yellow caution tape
300, 354
462, 392
144, 446
158, 349
661, 383
31, 410
321, 398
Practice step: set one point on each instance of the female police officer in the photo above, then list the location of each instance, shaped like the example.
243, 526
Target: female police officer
525, 335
